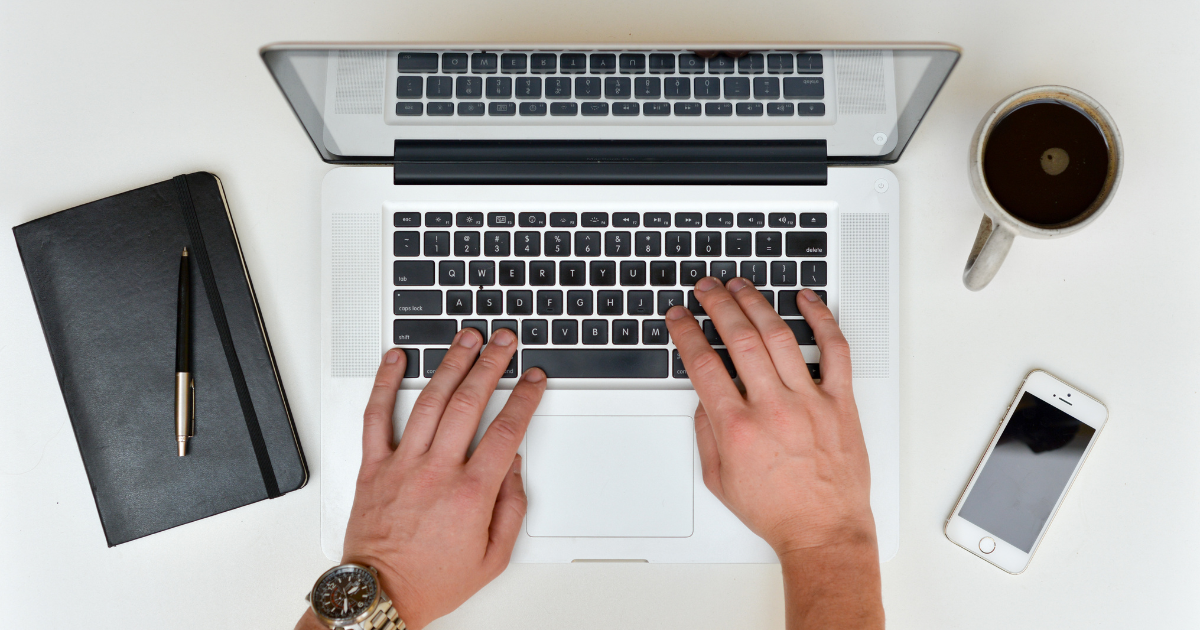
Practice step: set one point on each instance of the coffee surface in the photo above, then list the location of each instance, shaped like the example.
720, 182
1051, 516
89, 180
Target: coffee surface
1045, 163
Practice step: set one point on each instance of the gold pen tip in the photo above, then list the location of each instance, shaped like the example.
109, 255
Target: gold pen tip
182, 448
185, 251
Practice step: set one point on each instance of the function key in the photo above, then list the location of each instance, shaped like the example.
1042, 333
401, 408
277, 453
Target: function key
749, 109
513, 63
438, 219
782, 219
564, 109
718, 219
810, 63
779, 63
750, 220
661, 63
604, 63
406, 219
626, 219
417, 62
812, 219
595, 219
658, 219
657, 109
563, 219
454, 62
531, 219
721, 64
595, 109
780, 109
690, 63
687, 109
633, 63
573, 63
688, 219
750, 64
501, 219
469, 219
543, 63
810, 109
441, 109
483, 63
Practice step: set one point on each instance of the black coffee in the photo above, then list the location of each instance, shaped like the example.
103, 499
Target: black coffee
1045, 163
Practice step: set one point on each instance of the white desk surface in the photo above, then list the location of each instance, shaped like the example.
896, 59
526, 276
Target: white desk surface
97, 98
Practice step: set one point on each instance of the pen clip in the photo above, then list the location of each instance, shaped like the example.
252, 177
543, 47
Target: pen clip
192, 415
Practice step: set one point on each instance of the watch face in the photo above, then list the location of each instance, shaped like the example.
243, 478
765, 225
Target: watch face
344, 594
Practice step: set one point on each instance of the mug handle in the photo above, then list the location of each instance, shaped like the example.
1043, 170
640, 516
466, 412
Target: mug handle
991, 246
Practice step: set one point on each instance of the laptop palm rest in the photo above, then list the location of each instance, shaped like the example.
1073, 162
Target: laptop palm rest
609, 476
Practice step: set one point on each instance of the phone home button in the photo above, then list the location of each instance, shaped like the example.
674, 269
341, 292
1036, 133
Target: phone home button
987, 545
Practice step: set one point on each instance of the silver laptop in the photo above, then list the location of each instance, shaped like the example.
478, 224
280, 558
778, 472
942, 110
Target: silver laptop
573, 194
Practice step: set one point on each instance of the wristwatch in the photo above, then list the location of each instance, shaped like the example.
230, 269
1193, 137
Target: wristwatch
348, 597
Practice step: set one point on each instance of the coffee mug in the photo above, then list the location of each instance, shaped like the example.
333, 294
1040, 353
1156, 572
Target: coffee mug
1044, 163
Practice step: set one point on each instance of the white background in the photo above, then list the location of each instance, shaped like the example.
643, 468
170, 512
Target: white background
100, 97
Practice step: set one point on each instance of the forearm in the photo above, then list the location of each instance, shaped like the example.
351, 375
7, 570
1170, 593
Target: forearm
309, 622
834, 587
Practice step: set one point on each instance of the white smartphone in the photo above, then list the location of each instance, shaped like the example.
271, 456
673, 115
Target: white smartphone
1041, 444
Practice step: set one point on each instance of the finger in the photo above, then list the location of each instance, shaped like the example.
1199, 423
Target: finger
835, 351
461, 418
777, 337
427, 411
506, 518
377, 419
746, 348
704, 367
710, 456
499, 443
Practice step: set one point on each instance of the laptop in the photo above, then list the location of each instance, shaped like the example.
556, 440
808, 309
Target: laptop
573, 194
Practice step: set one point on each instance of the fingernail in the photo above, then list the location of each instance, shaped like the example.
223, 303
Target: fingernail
707, 284
676, 312
534, 375
504, 337
810, 295
467, 338
737, 284
516, 467
392, 356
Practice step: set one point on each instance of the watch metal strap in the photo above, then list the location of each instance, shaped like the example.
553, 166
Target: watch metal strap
385, 617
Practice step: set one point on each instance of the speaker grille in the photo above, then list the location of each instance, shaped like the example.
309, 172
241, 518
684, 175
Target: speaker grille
859, 81
359, 89
356, 303
866, 292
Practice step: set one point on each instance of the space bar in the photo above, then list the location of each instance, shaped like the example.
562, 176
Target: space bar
598, 363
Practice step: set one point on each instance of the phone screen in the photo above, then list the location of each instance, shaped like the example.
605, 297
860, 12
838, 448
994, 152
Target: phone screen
1028, 470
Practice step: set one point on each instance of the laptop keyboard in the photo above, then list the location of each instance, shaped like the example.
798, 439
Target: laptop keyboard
602, 84
586, 292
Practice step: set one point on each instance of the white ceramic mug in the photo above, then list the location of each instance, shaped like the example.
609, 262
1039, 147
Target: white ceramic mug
999, 226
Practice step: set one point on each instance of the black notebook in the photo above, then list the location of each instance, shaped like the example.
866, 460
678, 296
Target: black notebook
104, 278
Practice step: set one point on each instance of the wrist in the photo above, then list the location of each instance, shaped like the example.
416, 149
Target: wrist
405, 599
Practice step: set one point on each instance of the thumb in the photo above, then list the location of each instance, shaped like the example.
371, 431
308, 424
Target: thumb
507, 517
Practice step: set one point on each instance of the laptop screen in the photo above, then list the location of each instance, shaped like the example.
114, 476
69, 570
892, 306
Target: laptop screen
864, 103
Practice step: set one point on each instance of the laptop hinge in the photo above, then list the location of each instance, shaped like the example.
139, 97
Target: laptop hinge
744, 162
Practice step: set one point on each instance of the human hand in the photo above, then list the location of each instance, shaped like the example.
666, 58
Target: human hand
439, 525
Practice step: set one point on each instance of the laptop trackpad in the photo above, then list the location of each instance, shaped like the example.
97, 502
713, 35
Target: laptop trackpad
609, 476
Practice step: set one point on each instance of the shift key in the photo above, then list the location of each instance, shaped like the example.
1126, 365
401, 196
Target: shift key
417, 302
413, 273
424, 331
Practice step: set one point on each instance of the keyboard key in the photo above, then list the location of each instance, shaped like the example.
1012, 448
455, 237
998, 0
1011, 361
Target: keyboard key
482, 273
466, 244
409, 87
688, 219
489, 303
558, 87
648, 244
768, 244
543, 63
633, 273
417, 62
737, 243
803, 332
617, 244
587, 244
779, 63
687, 109
454, 63
718, 109
594, 219
766, 88
806, 244
433, 360
690, 272
563, 219
513, 63
483, 63
598, 362
594, 333
751, 219
718, 219
667, 299
499, 87
626, 219
749, 109
707, 87
531, 219
647, 87
610, 302
782, 220
579, 302
406, 244
810, 109
603, 273
452, 273
469, 87
510, 324
571, 273
496, 244
690, 63
625, 332
573, 63
710, 333
658, 219
804, 87
783, 274
641, 303
662, 273
809, 63
694, 305
618, 87
557, 243
439, 87
469, 219
661, 63
679, 244
633, 63
624, 109
769, 296
587, 87
594, 109
512, 273
478, 324
470, 109
654, 332
751, 64
437, 243
412, 365
737, 87
406, 219
519, 303
813, 273
813, 219
657, 109
564, 109
724, 270
780, 109
423, 331
409, 109
530, 87
535, 332
755, 271
502, 109
417, 303
528, 243
708, 244
438, 219
440, 109
459, 302
677, 369
550, 302
677, 87
564, 332
721, 64
501, 219
541, 273
604, 63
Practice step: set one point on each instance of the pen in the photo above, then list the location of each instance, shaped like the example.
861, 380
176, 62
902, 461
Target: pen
185, 387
